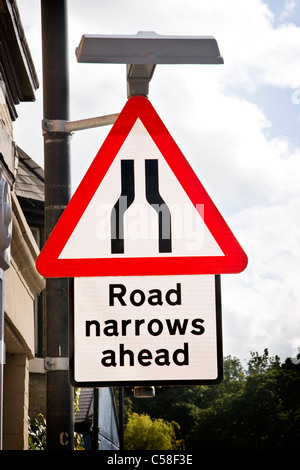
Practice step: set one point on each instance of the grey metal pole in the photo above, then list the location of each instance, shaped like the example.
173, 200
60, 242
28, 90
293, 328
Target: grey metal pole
60, 394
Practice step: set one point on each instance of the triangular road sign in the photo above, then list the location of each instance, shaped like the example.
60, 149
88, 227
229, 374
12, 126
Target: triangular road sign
140, 210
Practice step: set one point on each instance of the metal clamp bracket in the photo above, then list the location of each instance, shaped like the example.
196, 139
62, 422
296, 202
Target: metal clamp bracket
54, 125
56, 363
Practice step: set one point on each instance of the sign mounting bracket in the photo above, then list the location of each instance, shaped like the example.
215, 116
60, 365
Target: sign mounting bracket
56, 363
60, 125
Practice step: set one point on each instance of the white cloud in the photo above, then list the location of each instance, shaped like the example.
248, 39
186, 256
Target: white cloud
287, 10
266, 310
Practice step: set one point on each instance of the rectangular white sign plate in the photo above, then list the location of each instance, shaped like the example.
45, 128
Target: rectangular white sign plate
146, 330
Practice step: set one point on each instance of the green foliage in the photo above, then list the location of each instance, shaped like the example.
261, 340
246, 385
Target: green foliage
255, 408
76, 399
144, 433
37, 429
37, 433
261, 364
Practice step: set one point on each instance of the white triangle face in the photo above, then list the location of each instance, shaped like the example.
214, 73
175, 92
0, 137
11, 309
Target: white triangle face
187, 235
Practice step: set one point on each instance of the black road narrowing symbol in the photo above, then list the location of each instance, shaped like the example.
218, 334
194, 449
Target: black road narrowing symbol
158, 204
154, 199
125, 200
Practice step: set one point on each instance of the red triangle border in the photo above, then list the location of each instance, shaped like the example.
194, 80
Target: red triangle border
48, 263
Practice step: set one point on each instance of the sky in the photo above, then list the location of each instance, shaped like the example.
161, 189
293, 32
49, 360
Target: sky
238, 125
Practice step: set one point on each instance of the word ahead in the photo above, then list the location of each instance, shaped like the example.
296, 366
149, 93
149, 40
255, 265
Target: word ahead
146, 330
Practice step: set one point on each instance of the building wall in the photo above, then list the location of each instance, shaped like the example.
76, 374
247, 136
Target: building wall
19, 312
37, 390
4, 111
15, 419
22, 284
108, 422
